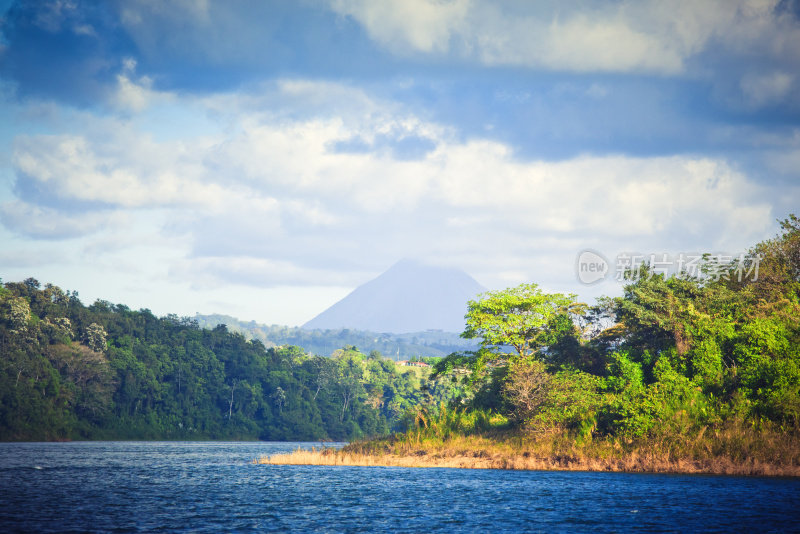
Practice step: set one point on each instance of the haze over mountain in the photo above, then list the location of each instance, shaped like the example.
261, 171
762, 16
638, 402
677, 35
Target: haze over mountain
410, 297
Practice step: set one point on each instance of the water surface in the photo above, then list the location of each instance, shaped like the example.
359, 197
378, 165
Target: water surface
213, 487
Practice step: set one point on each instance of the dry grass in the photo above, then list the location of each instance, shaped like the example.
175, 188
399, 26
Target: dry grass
730, 451
634, 463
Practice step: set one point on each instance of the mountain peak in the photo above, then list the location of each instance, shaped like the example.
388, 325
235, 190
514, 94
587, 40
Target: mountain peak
411, 296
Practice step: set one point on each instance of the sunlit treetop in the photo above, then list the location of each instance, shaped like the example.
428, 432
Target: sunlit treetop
517, 317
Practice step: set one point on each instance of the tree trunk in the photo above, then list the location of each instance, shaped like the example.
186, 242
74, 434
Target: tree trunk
230, 406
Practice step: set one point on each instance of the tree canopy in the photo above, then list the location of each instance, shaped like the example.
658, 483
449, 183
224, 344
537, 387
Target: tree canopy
68, 371
518, 317
673, 354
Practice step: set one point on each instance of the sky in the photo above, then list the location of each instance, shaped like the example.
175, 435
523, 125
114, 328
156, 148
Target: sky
262, 159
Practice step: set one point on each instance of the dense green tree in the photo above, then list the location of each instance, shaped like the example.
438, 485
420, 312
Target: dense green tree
518, 317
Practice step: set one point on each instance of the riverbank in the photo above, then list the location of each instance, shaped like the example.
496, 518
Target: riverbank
769, 457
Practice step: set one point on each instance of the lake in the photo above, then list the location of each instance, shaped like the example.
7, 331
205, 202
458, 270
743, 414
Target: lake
213, 487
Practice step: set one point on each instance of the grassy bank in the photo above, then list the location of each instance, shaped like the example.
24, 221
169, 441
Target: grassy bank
735, 449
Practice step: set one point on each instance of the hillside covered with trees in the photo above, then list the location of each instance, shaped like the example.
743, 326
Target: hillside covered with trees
69, 371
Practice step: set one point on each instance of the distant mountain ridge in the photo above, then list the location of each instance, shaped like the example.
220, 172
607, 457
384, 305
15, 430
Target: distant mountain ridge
409, 297
323, 342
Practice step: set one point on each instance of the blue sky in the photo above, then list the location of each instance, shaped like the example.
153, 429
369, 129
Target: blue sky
263, 158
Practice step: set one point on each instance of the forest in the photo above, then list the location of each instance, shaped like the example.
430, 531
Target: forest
700, 363
69, 371
683, 371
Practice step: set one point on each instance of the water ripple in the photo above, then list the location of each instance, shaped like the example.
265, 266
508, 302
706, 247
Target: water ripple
213, 487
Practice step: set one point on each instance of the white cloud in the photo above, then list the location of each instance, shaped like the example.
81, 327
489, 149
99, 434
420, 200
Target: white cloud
124, 169
46, 223
270, 201
423, 25
545, 35
609, 195
648, 36
135, 94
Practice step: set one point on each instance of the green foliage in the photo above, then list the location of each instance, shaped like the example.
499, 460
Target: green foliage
518, 317
769, 371
670, 357
624, 374
544, 400
522, 319
669, 405
105, 372
441, 422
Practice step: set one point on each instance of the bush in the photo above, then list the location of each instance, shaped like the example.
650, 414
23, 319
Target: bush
567, 399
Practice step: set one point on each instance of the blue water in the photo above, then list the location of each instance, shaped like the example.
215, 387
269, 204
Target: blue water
214, 487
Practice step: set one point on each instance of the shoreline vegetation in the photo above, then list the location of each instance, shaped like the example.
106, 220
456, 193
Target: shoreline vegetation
734, 450
686, 372
106, 372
